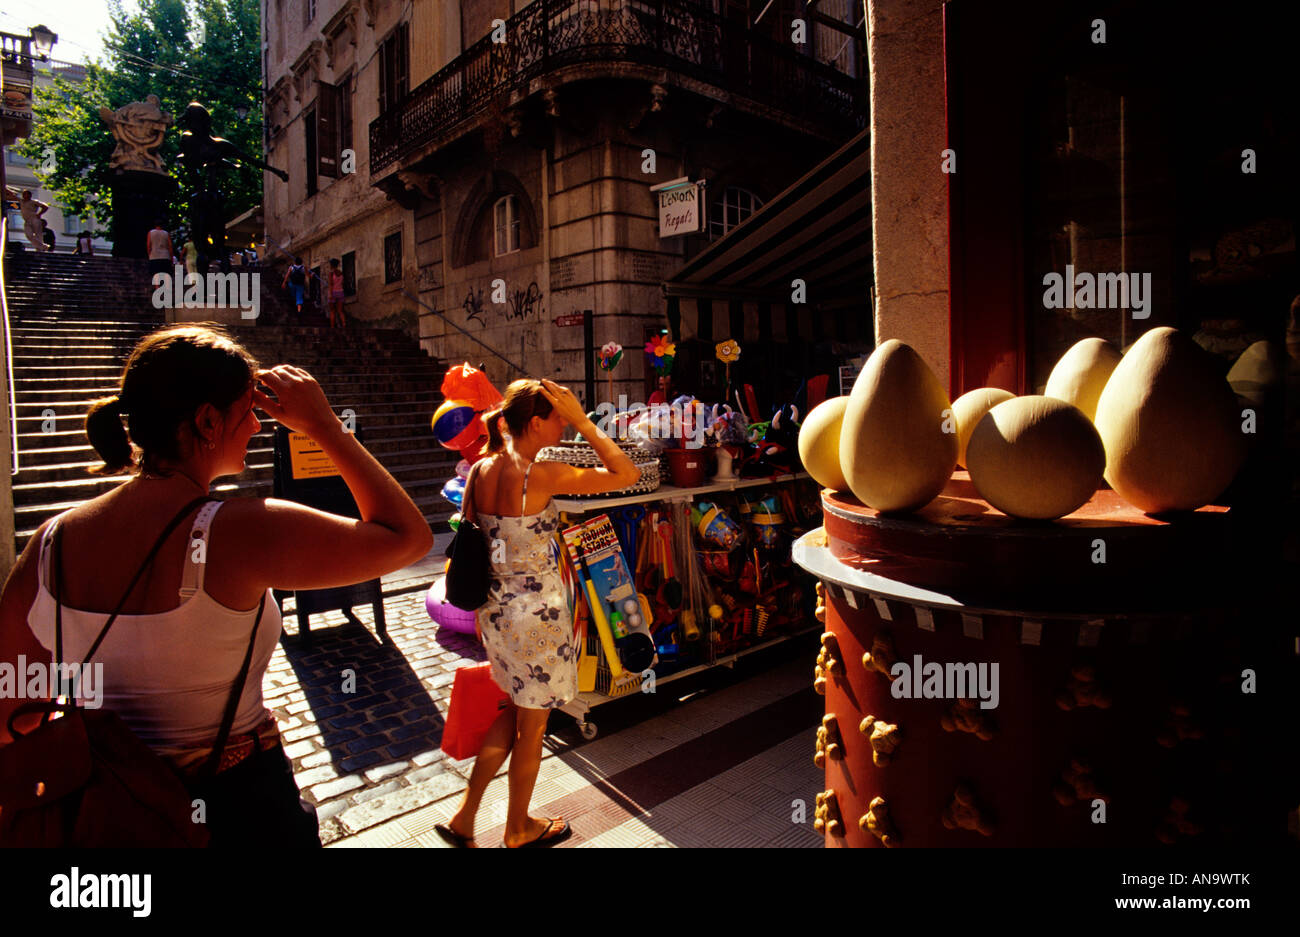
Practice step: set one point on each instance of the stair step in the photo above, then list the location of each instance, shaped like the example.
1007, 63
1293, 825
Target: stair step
74, 322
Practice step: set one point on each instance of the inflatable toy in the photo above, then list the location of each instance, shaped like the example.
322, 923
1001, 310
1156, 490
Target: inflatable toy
454, 490
454, 424
444, 613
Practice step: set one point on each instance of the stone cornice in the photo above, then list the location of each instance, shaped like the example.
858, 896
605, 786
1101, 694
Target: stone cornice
306, 68
341, 23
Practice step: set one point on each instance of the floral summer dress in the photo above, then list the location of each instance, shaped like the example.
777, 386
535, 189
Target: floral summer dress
526, 625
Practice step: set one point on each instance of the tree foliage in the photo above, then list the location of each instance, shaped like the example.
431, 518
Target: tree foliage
202, 50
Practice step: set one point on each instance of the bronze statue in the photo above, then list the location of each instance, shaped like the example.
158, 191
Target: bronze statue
205, 154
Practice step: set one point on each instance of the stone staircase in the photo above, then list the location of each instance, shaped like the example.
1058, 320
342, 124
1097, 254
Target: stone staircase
72, 285
65, 355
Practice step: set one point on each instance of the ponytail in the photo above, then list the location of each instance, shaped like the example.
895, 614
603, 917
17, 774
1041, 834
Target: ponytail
523, 400
107, 434
492, 423
168, 376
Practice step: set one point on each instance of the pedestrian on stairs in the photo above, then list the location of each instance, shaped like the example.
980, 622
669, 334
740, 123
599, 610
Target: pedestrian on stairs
295, 278
85, 244
161, 251
33, 220
336, 294
170, 668
191, 254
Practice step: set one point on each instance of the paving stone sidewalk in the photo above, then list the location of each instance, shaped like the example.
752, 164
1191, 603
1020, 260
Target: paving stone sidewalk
362, 721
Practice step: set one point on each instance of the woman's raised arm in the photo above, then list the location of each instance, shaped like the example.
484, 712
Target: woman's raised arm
560, 479
297, 547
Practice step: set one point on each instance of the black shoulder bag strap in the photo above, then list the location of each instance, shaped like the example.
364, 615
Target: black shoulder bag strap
468, 500
228, 717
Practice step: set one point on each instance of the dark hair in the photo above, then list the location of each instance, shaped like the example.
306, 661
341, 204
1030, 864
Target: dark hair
169, 375
523, 401
334, 261
298, 261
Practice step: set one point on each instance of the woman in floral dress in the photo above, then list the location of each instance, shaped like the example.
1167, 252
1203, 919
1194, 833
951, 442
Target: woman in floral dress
525, 625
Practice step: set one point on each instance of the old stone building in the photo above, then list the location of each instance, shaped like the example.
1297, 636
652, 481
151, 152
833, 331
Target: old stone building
484, 170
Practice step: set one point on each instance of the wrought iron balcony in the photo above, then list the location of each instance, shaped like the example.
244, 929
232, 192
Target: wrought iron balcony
679, 35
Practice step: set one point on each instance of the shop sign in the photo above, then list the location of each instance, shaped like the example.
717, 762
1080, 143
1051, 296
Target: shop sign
681, 206
573, 319
17, 99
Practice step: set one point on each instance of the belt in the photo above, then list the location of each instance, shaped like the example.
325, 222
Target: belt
263, 737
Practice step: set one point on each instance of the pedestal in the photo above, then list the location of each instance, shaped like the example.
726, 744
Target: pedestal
1079, 703
139, 200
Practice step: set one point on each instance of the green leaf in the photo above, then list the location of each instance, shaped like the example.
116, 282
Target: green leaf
151, 50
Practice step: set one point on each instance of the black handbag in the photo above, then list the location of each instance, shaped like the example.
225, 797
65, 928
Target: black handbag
84, 778
470, 572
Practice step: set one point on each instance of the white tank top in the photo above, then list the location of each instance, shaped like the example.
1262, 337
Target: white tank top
158, 250
169, 675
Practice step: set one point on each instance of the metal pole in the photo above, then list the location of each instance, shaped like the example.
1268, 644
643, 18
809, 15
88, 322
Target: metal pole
4, 299
589, 363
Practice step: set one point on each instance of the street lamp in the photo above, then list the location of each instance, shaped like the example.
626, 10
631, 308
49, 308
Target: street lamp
43, 39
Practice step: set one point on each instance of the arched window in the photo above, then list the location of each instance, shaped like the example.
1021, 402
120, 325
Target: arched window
505, 214
497, 219
733, 207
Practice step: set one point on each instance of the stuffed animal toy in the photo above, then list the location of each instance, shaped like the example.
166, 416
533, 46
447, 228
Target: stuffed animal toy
784, 430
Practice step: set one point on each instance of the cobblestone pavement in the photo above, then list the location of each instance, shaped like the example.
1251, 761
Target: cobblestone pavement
362, 723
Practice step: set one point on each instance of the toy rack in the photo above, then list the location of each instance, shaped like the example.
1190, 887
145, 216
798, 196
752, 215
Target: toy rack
720, 651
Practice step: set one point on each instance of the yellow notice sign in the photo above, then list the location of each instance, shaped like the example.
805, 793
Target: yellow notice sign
307, 460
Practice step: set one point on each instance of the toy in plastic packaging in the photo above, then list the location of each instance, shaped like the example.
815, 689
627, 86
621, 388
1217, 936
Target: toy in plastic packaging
469, 384
766, 519
715, 526
468, 387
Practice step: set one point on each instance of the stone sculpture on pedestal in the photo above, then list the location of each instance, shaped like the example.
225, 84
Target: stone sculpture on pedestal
139, 128
140, 184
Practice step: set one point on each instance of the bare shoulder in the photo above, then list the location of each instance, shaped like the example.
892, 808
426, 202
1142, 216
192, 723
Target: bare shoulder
548, 476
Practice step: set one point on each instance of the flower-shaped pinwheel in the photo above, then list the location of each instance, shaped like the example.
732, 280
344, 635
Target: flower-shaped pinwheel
728, 352
611, 353
660, 352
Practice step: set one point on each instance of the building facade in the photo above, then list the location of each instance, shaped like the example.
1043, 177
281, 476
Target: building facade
484, 170
21, 174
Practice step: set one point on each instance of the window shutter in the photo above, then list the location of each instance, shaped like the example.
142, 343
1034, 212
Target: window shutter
327, 129
403, 70
385, 61
345, 114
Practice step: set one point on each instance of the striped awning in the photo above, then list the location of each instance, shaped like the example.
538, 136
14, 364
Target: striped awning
818, 230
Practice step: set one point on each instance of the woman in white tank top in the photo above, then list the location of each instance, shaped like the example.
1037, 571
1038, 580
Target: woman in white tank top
170, 659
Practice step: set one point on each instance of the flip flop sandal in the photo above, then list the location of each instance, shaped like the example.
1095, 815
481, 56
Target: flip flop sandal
549, 838
452, 838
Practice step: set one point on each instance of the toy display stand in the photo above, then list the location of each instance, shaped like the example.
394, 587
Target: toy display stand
1120, 718
716, 653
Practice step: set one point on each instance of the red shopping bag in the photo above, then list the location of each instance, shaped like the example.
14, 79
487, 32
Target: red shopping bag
476, 701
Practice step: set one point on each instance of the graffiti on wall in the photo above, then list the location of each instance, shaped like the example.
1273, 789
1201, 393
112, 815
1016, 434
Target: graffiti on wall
519, 304
473, 306
524, 304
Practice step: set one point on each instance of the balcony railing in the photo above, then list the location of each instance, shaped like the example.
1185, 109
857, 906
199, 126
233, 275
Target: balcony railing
680, 35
